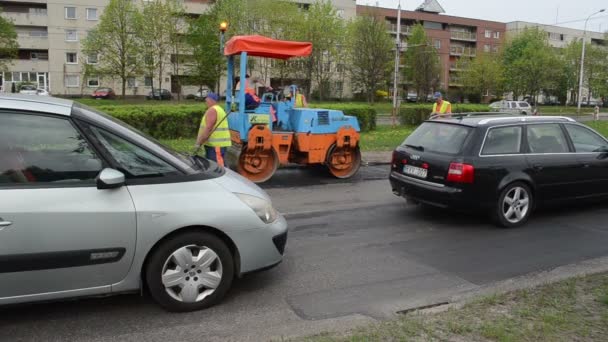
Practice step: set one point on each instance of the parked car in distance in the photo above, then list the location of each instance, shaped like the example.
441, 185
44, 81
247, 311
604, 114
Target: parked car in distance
505, 165
516, 107
201, 95
159, 94
92, 207
103, 93
30, 89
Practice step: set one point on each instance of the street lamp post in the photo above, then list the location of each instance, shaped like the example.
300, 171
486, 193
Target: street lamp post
580, 84
223, 28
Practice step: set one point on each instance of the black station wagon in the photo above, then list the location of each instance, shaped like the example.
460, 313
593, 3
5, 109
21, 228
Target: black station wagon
502, 164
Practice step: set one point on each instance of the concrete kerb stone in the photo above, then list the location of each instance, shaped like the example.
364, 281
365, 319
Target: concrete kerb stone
528, 281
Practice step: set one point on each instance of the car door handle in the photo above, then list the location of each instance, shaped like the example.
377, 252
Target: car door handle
4, 224
537, 167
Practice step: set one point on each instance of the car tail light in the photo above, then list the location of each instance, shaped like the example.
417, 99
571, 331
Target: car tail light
461, 173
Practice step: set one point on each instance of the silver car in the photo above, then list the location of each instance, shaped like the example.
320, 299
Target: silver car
90, 206
513, 107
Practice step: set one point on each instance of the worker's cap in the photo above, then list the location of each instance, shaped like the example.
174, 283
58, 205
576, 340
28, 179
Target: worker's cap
215, 97
437, 95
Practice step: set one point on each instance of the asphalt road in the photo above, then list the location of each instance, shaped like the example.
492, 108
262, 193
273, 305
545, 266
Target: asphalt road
356, 253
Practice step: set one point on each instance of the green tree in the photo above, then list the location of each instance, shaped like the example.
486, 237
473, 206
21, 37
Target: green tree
531, 63
483, 74
156, 40
116, 40
8, 43
422, 65
274, 19
370, 48
204, 42
326, 31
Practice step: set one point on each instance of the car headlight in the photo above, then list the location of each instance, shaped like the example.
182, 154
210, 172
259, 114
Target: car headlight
260, 206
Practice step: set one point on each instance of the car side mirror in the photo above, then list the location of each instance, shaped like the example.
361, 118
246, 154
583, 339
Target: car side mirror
110, 179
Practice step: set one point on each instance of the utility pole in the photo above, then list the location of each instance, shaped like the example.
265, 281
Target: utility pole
397, 62
580, 84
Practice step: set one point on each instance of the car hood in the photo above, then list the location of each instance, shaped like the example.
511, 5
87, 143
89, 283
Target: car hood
234, 182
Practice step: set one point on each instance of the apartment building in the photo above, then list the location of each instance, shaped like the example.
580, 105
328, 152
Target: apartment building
50, 51
559, 37
453, 37
50, 54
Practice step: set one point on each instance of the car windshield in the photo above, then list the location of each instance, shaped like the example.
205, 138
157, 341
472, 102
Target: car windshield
438, 137
195, 163
28, 87
103, 89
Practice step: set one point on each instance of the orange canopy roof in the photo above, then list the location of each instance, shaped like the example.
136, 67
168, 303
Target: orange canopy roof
261, 46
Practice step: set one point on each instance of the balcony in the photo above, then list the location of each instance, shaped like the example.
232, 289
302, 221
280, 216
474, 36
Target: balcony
455, 67
405, 29
462, 35
463, 51
23, 65
455, 82
27, 19
33, 42
195, 7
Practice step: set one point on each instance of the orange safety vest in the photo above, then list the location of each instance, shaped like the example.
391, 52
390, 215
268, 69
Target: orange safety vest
446, 107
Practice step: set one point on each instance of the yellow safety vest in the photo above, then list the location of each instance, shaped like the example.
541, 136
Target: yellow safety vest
444, 107
220, 137
299, 101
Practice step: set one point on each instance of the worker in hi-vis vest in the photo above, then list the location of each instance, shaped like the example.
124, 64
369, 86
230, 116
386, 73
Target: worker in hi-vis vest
214, 134
441, 107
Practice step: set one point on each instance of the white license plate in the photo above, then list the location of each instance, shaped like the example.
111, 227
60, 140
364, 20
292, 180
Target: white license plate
415, 171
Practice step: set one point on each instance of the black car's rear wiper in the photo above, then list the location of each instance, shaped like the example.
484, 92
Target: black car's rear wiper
419, 148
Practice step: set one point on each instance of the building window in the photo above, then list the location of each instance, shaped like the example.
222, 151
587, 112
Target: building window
71, 58
72, 81
71, 35
437, 44
495, 48
131, 82
488, 34
92, 14
39, 56
148, 81
70, 13
486, 48
93, 82
92, 59
497, 35
340, 13
431, 25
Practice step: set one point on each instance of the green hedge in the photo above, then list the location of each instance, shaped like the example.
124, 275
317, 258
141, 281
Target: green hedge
162, 121
416, 114
182, 121
365, 114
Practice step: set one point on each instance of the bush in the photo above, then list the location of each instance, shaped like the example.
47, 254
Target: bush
414, 115
365, 114
162, 121
182, 121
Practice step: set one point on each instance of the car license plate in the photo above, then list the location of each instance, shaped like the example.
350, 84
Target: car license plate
415, 171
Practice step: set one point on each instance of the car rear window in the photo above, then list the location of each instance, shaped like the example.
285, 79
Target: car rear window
438, 137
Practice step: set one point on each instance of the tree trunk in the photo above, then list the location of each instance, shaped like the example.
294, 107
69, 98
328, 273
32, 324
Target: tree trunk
124, 87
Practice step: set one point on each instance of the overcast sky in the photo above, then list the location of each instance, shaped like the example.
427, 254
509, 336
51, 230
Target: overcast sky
538, 11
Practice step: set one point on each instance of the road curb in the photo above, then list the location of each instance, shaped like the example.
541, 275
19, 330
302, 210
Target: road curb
528, 281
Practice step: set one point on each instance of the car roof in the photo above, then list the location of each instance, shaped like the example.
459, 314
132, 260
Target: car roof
46, 104
493, 118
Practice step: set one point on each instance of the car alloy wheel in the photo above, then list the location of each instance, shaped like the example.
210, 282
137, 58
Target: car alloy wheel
192, 273
515, 204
